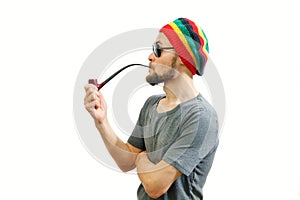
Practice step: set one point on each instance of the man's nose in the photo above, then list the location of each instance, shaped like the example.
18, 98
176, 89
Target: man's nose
151, 57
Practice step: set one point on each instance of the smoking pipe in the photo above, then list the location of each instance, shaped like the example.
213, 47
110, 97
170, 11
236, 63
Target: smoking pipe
99, 86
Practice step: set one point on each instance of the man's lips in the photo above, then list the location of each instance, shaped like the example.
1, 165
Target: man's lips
151, 66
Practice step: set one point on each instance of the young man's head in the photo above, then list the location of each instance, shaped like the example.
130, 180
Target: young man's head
180, 46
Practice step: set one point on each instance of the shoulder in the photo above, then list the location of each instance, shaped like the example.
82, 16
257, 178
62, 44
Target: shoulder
198, 112
198, 106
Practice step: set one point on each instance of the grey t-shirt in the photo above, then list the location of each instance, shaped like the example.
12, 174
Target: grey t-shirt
185, 137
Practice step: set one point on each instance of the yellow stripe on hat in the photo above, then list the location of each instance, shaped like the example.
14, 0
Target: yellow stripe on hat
184, 41
200, 32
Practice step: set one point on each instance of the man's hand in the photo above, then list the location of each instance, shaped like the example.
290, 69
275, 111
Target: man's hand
142, 162
141, 157
94, 103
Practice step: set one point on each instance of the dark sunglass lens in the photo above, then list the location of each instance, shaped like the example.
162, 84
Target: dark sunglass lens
158, 50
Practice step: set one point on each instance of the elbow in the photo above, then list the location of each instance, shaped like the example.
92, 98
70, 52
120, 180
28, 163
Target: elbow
126, 168
154, 195
154, 190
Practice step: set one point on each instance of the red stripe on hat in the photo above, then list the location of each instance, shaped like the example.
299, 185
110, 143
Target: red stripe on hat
179, 47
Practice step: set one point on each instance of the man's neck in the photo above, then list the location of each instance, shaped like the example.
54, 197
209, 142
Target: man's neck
180, 89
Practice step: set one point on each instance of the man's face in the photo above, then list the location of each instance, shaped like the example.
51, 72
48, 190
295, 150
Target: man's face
162, 68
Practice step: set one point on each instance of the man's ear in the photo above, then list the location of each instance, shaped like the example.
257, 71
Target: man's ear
182, 67
179, 62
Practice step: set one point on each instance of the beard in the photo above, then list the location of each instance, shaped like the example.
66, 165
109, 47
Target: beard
167, 74
154, 78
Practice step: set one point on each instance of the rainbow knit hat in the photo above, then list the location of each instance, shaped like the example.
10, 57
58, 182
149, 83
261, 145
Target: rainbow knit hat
189, 42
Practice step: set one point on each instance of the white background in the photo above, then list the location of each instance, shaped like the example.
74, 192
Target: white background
254, 44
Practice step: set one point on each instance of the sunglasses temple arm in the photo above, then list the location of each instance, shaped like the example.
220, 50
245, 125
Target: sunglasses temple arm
99, 86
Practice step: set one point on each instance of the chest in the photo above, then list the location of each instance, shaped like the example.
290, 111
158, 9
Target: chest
161, 132
163, 107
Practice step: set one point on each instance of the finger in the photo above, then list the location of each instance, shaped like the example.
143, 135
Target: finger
88, 98
92, 106
90, 92
89, 106
92, 97
87, 86
90, 88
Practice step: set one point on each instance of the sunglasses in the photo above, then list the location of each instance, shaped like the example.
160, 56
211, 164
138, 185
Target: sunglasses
157, 49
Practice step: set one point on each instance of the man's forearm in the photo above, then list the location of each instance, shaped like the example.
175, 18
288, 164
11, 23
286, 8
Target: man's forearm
119, 151
146, 170
156, 178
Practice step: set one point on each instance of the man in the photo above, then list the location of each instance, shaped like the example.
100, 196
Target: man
176, 136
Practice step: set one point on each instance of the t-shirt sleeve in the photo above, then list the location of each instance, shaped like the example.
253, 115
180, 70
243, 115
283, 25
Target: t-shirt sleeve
198, 138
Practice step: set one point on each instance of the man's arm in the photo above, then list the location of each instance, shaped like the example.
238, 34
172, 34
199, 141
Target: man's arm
156, 178
124, 154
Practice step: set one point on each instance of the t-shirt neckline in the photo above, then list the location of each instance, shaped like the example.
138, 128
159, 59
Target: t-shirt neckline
174, 109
